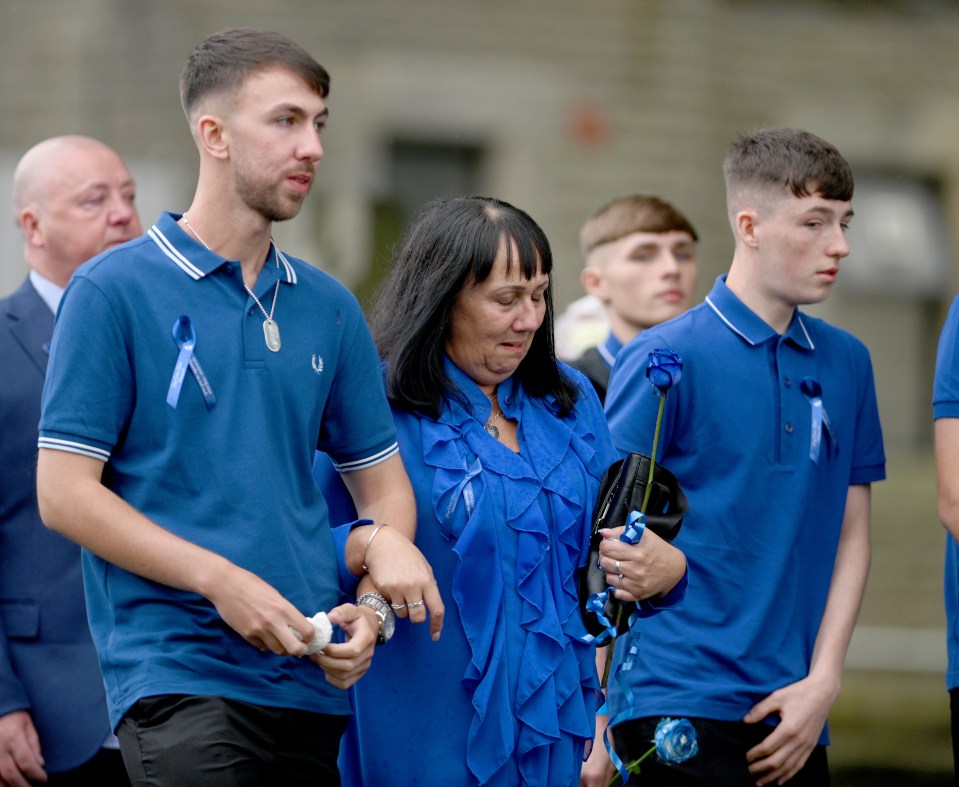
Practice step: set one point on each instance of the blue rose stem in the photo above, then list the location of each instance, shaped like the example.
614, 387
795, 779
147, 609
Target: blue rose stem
652, 466
634, 767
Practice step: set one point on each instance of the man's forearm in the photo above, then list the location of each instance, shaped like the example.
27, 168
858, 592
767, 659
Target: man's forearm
74, 503
846, 589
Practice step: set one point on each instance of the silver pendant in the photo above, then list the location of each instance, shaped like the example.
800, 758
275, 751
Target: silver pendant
271, 332
493, 431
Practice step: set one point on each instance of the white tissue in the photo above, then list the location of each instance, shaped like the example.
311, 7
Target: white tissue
322, 633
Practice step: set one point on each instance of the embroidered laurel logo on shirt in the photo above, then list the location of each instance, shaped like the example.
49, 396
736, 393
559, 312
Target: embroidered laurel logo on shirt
317, 363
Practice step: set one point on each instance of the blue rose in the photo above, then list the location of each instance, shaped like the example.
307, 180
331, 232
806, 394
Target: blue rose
665, 369
675, 740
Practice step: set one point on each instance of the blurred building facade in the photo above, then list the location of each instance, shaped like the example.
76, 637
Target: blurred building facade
557, 107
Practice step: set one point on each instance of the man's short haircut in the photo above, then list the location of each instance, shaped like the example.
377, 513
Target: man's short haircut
221, 63
626, 215
788, 159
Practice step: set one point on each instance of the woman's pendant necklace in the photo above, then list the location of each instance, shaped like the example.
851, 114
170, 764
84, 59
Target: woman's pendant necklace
490, 425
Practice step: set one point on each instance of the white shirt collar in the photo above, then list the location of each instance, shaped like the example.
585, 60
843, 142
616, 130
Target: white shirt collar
46, 289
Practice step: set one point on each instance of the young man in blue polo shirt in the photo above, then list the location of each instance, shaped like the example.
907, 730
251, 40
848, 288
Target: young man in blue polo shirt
774, 433
640, 262
194, 372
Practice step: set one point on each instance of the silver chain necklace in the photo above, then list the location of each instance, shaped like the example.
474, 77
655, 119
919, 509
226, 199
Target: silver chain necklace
271, 331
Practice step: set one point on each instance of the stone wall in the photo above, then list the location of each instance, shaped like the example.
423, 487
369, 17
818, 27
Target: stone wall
572, 102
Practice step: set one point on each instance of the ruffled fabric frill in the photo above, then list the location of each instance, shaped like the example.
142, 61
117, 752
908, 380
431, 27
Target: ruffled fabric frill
549, 493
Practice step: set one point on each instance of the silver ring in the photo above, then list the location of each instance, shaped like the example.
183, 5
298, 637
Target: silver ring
618, 569
414, 604
397, 606
620, 581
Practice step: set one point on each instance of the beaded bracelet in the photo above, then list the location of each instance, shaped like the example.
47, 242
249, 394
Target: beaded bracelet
370, 541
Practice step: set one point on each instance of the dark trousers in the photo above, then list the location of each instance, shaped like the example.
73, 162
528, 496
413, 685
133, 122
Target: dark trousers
180, 741
720, 762
954, 715
105, 769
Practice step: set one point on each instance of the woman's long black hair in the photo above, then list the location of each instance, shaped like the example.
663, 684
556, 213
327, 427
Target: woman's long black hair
450, 245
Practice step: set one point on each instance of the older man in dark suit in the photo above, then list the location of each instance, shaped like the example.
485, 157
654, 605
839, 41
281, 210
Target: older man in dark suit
73, 197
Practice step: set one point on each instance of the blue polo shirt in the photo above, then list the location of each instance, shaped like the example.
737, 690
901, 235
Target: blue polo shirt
235, 479
764, 519
945, 404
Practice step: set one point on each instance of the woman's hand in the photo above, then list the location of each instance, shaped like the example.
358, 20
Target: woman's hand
649, 568
400, 573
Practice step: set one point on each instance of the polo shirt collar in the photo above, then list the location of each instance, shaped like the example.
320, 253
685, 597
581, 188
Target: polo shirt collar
196, 260
748, 325
609, 349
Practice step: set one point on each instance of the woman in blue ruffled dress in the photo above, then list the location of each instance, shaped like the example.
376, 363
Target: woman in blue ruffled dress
505, 448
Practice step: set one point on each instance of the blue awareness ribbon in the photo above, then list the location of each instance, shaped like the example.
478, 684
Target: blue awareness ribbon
185, 337
463, 489
820, 423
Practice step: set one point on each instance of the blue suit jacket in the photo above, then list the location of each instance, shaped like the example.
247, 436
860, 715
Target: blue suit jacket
48, 664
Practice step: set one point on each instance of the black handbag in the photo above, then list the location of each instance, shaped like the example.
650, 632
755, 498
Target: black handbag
621, 492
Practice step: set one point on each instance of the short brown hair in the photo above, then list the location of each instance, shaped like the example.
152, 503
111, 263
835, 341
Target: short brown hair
787, 158
225, 59
626, 215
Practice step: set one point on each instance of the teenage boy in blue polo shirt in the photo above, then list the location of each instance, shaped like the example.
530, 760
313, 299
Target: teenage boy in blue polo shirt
640, 262
194, 372
774, 433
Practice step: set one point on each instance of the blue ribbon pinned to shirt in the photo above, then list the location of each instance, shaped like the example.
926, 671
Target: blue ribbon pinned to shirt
185, 337
820, 420
463, 489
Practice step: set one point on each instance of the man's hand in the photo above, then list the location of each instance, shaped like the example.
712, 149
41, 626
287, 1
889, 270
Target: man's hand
345, 663
598, 769
400, 573
802, 708
20, 756
258, 613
